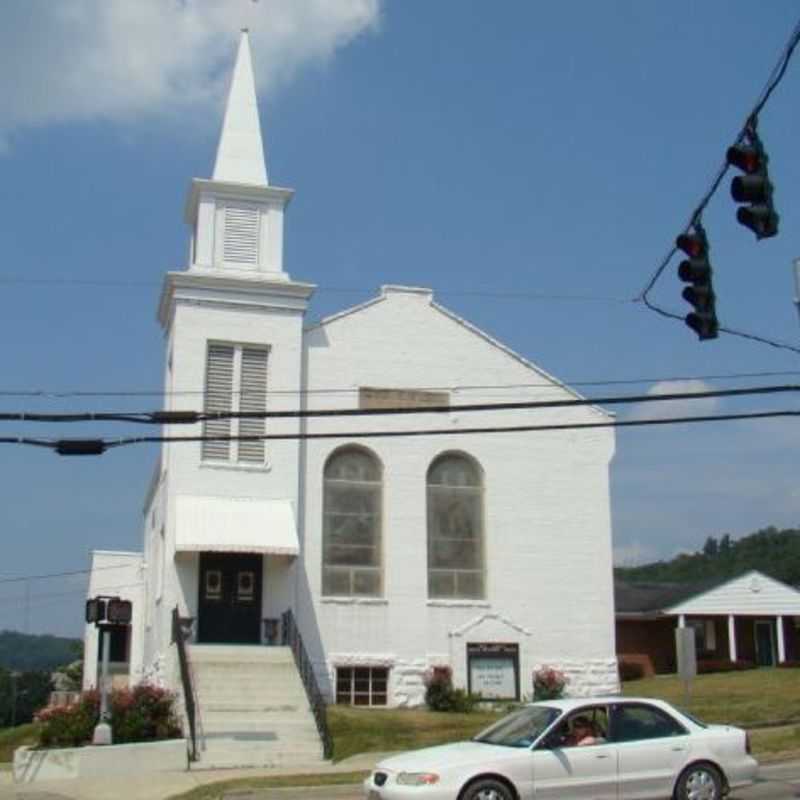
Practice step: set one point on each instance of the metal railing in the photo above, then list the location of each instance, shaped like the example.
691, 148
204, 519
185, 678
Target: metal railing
181, 629
291, 637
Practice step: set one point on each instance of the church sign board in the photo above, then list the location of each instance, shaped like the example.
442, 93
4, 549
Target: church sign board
493, 670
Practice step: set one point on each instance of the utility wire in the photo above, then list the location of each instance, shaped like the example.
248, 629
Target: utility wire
23, 598
776, 76
99, 446
13, 280
189, 417
21, 578
56, 394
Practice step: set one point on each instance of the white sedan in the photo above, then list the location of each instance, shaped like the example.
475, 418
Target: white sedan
609, 748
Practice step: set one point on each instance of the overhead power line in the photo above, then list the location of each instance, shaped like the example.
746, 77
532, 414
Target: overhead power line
189, 417
56, 394
72, 447
512, 294
69, 573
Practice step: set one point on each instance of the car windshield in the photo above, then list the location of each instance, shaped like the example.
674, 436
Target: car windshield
692, 717
520, 729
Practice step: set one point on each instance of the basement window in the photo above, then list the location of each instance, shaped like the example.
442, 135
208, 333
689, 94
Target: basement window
362, 686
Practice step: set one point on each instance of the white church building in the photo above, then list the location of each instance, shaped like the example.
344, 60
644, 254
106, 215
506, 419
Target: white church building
395, 553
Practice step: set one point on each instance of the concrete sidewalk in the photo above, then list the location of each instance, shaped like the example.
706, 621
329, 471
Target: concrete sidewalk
159, 786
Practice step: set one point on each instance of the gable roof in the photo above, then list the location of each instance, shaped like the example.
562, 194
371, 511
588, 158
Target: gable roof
651, 597
750, 592
427, 294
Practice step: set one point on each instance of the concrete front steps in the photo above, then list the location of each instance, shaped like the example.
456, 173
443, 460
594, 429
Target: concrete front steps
253, 708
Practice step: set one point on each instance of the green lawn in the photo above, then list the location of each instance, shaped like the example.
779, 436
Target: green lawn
749, 698
358, 730
12, 738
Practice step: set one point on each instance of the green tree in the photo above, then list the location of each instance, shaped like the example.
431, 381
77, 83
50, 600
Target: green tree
711, 547
22, 694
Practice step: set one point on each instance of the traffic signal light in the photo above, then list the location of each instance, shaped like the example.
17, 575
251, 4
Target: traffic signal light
696, 270
95, 610
119, 612
754, 187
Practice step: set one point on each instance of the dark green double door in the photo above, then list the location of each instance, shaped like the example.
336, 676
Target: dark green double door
229, 605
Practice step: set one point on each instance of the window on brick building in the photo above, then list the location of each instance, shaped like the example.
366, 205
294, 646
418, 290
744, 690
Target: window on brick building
236, 380
351, 524
362, 686
455, 528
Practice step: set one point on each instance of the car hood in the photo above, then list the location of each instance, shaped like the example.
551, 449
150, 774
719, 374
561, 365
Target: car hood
431, 759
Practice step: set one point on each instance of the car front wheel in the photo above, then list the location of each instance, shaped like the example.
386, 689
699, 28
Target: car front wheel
699, 782
488, 789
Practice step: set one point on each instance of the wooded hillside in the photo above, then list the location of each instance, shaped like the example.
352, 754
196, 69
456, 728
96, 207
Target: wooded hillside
771, 551
21, 651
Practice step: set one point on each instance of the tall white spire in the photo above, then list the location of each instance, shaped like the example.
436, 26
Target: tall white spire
240, 154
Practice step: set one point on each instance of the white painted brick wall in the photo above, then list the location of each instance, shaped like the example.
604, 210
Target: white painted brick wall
546, 497
548, 543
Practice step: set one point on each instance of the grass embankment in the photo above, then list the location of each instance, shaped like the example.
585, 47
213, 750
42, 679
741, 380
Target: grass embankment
749, 698
357, 730
12, 738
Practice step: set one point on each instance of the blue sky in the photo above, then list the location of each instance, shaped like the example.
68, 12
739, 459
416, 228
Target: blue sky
514, 156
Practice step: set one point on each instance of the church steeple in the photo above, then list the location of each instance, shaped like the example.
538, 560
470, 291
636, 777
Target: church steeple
240, 154
237, 217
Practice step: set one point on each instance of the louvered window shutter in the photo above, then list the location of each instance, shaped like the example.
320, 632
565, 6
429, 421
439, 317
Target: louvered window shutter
218, 397
241, 235
253, 397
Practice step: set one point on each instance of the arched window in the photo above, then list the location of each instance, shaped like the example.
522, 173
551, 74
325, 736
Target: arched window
455, 528
351, 526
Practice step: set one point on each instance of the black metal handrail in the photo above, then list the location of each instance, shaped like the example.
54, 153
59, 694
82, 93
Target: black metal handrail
290, 636
181, 628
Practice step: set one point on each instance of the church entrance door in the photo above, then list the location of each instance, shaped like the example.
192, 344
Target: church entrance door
229, 607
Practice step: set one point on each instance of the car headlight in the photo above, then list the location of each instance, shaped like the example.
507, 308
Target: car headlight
417, 778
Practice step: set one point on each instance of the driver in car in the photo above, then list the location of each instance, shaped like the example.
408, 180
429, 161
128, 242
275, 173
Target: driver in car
582, 733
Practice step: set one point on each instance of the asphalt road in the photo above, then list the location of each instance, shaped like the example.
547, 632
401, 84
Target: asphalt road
775, 782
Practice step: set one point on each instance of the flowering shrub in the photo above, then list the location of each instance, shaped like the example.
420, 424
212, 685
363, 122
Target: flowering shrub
441, 696
69, 726
548, 683
144, 713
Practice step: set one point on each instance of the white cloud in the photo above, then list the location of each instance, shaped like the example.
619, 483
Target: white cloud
669, 409
117, 59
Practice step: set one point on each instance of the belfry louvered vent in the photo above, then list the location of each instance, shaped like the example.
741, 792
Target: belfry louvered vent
241, 235
253, 397
218, 397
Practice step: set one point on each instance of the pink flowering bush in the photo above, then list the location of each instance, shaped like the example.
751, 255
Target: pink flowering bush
441, 696
548, 683
142, 714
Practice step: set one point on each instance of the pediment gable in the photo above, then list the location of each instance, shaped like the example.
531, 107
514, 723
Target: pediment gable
752, 593
491, 625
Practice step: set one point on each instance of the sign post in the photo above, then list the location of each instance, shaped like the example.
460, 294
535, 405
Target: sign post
687, 659
102, 731
106, 612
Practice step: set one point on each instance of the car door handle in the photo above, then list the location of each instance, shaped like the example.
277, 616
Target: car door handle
678, 749
602, 755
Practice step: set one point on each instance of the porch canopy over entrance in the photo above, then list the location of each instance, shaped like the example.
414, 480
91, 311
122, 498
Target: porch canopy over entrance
764, 600
235, 525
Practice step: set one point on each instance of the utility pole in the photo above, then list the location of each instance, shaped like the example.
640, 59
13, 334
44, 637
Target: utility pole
13, 699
